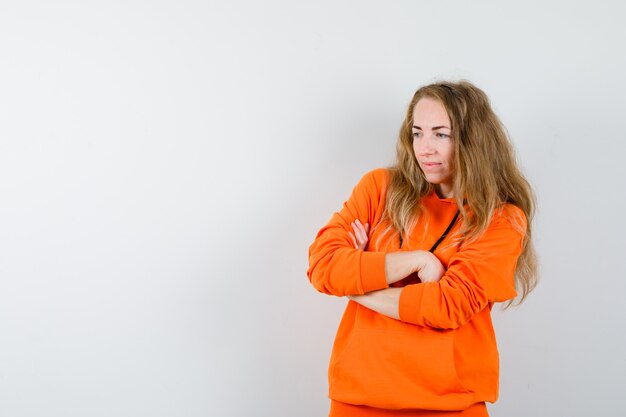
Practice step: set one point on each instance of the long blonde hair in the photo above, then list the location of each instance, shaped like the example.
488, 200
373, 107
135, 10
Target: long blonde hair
486, 175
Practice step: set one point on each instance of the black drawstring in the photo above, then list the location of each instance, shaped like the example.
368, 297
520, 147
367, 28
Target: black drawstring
443, 236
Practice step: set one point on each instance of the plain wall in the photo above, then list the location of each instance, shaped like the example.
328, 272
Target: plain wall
164, 166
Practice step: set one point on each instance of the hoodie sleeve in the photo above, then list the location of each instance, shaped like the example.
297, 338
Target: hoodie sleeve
480, 273
335, 266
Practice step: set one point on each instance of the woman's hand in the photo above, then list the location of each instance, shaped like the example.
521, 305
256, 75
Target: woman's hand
359, 237
429, 267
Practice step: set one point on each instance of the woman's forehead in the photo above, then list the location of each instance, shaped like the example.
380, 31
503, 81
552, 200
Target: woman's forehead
430, 113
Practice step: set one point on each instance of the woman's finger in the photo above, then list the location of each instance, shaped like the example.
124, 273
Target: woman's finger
360, 234
354, 242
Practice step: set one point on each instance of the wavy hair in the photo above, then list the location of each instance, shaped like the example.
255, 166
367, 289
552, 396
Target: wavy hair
486, 174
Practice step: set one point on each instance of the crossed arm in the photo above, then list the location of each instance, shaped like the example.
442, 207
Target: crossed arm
398, 265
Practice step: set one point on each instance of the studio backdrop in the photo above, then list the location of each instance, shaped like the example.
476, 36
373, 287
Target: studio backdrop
164, 166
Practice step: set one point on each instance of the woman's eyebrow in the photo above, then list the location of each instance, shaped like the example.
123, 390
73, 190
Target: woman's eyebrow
434, 128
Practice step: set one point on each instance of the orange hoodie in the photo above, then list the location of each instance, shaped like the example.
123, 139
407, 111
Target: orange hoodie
441, 354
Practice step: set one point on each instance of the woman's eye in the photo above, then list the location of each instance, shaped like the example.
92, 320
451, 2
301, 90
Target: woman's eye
443, 136
417, 134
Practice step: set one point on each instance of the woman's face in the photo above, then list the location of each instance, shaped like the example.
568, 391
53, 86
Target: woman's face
433, 144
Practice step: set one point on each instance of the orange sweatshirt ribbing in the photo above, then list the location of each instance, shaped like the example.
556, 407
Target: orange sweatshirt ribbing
441, 354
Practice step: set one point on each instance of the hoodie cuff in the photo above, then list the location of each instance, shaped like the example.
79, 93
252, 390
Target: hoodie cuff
410, 304
373, 275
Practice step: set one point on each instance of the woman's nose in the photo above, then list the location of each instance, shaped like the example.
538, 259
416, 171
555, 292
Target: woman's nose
425, 145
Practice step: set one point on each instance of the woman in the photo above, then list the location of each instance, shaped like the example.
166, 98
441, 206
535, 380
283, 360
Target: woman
423, 250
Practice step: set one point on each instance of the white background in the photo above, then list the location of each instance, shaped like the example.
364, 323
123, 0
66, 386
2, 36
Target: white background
164, 166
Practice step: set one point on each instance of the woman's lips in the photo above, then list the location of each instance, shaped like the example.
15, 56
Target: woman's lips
430, 166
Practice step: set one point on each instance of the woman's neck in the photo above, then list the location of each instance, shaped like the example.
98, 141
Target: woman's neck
444, 190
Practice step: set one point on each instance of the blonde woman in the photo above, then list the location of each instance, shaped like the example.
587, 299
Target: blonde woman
423, 250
